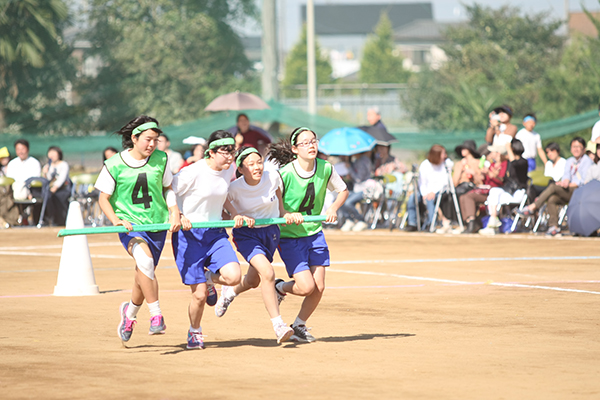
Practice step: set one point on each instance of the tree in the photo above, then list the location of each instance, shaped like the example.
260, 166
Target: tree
296, 66
574, 83
164, 58
381, 63
34, 64
498, 57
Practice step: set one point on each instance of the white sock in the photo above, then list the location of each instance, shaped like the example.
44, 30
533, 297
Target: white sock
230, 294
279, 287
132, 310
277, 321
208, 275
298, 321
199, 330
154, 309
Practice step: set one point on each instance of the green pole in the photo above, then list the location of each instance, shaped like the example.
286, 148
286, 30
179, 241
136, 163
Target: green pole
164, 227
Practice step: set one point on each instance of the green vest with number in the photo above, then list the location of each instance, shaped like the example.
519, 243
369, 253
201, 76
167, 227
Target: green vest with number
138, 195
304, 195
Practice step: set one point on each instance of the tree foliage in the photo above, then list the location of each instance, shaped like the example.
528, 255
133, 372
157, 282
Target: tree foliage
34, 65
296, 66
498, 57
164, 58
381, 63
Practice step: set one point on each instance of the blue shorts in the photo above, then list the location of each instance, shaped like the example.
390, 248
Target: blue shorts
299, 254
254, 241
530, 164
155, 241
199, 248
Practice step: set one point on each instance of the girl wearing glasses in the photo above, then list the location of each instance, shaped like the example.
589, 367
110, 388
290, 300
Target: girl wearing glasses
131, 186
256, 194
201, 190
303, 249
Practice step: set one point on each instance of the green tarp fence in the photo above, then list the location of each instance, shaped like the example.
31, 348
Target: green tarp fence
290, 117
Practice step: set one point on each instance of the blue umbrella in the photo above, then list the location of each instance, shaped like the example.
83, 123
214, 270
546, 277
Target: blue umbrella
584, 209
346, 142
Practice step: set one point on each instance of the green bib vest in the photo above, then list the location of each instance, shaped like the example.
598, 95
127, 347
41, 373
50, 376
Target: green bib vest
305, 196
138, 195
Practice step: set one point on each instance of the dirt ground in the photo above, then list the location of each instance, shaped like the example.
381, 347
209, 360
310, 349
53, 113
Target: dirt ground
412, 316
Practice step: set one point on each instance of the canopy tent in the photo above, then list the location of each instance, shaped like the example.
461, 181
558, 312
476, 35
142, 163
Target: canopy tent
290, 117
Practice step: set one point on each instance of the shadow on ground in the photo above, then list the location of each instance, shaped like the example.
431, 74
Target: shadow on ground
262, 342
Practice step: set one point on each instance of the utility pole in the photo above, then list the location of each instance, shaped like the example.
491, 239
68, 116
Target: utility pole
270, 84
567, 17
310, 57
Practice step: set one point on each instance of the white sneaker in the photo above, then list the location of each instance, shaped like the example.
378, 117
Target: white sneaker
360, 226
494, 222
283, 333
223, 302
488, 231
348, 225
446, 228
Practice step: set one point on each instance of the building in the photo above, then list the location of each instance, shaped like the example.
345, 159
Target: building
342, 29
420, 43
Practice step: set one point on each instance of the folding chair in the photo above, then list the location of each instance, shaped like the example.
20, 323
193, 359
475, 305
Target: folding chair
83, 191
39, 189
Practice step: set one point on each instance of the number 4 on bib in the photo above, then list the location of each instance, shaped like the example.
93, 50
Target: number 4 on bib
308, 202
141, 185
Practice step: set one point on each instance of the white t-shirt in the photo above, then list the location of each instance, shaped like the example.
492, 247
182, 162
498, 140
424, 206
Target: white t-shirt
555, 171
335, 184
259, 201
531, 142
501, 139
595, 131
201, 191
433, 178
106, 183
21, 170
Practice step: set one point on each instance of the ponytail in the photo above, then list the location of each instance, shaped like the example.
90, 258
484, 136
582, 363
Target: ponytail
281, 152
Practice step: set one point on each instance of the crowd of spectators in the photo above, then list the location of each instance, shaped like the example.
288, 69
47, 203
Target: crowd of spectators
480, 180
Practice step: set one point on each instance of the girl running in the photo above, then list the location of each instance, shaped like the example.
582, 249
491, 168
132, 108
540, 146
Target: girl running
305, 179
201, 190
131, 186
256, 194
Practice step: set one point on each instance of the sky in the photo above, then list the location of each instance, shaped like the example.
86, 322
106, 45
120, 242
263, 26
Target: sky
443, 10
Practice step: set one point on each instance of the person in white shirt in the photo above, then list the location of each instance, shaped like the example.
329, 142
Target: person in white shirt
532, 142
596, 130
256, 194
433, 178
22, 168
175, 158
201, 190
555, 166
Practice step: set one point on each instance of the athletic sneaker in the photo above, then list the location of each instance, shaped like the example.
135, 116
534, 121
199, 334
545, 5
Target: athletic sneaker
280, 296
212, 298
301, 334
125, 328
283, 332
223, 302
157, 325
195, 340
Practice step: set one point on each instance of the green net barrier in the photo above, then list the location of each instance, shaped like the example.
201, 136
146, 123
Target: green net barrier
164, 227
414, 140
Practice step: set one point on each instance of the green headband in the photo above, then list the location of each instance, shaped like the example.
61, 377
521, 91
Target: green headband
218, 143
144, 127
246, 152
299, 131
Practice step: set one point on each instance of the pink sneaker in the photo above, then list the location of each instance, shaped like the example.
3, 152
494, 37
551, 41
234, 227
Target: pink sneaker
125, 328
157, 325
195, 340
